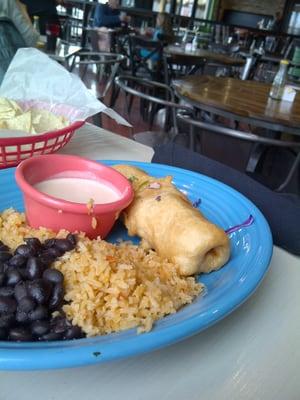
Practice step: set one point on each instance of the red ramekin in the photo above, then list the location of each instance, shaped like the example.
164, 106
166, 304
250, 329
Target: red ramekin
46, 211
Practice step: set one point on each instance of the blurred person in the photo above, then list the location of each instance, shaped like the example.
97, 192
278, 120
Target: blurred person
45, 10
16, 31
15, 11
277, 22
108, 15
163, 32
163, 29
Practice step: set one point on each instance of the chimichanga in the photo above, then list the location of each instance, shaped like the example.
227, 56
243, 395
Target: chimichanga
168, 223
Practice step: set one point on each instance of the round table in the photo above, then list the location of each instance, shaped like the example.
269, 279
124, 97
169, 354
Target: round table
246, 101
204, 55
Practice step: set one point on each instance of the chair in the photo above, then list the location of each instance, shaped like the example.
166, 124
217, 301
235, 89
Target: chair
176, 66
251, 138
147, 91
10, 41
106, 63
102, 39
149, 65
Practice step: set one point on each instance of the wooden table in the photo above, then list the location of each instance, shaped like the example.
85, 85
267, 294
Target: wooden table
246, 101
205, 55
254, 353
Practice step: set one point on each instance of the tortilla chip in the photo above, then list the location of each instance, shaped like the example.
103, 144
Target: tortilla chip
8, 108
2, 124
21, 122
34, 121
44, 121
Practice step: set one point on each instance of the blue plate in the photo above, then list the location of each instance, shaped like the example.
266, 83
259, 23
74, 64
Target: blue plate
226, 289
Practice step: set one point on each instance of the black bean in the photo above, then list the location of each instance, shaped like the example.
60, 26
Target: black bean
1, 267
53, 252
40, 290
21, 291
60, 325
2, 278
17, 260
7, 305
50, 336
72, 238
3, 247
4, 255
39, 328
34, 268
13, 277
49, 243
22, 317
25, 250
64, 244
53, 275
23, 272
41, 312
46, 259
73, 333
3, 334
6, 267
7, 291
20, 334
6, 320
26, 304
57, 297
33, 243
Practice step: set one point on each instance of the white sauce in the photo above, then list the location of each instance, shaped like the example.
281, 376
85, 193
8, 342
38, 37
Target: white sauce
78, 190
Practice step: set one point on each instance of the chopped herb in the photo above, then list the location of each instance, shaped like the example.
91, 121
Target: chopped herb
96, 353
158, 198
143, 184
132, 179
197, 203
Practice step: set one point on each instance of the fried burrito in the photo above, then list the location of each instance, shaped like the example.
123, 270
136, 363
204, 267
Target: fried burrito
167, 222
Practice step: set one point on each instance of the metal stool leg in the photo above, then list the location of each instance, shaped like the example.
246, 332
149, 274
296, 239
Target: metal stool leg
290, 174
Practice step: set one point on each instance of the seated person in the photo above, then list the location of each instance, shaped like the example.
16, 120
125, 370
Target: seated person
108, 15
163, 32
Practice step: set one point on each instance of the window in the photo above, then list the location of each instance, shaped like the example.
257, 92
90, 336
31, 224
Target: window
162, 5
185, 8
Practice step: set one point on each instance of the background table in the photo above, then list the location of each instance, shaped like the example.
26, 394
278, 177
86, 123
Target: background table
241, 100
252, 354
206, 55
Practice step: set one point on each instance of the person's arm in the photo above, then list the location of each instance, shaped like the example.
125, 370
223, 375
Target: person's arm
102, 19
22, 23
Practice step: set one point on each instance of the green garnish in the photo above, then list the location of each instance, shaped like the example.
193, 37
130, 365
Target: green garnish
96, 353
143, 184
132, 179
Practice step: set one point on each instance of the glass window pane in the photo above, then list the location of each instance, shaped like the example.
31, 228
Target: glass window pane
162, 5
185, 7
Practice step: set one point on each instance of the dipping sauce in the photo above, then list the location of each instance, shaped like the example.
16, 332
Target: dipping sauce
78, 190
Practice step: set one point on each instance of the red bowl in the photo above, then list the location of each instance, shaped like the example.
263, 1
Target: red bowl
43, 210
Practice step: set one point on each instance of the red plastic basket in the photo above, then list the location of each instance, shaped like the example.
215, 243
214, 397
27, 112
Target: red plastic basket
14, 150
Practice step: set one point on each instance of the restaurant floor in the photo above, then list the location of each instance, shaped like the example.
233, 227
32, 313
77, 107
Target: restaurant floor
271, 172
